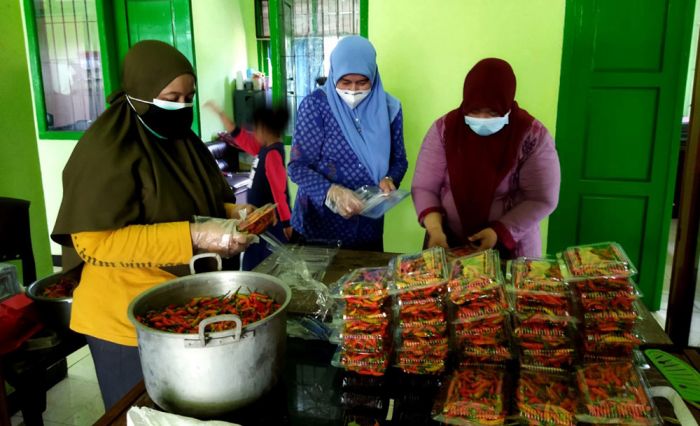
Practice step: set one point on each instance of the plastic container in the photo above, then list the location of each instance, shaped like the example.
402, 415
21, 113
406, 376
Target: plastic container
377, 202
472, 274
366, 324
426, 365
597, 260
482, 303
421, 309
411, 272
532, 302
617, 345
544, 398
558, 359
537, 274
614, 393
473, 396
621, 300
366, 342
259, 220
422, 329
610, 321
362, 283
604, 284
372, 364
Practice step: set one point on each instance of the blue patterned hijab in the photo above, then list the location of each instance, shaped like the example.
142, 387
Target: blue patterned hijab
370, 139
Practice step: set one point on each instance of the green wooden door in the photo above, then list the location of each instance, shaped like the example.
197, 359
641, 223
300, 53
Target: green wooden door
169, 21
622, 83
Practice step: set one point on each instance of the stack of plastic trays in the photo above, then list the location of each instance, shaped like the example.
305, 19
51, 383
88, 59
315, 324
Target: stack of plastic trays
365, 339
601, 275
478, 309
543, 317
419, 286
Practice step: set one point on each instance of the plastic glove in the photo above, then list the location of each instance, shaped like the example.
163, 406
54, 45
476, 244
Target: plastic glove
214, 235
343, 201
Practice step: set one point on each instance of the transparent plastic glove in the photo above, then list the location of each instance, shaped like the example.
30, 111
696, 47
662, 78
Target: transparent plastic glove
214, 235
343, 201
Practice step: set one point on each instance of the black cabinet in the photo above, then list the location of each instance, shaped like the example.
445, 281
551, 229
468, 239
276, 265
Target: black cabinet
245, 102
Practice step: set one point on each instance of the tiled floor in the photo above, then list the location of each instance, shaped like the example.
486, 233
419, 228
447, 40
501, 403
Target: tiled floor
76, 400
661, 314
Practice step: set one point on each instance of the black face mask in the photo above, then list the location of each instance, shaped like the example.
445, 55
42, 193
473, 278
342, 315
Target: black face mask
171, 124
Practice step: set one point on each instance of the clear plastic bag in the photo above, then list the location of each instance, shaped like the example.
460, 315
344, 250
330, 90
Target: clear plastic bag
377, 202
309, 295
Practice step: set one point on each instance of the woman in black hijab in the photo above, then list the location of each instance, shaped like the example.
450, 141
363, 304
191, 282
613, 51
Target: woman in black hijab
132, 185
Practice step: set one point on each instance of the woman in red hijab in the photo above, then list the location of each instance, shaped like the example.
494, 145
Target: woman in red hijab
487, 172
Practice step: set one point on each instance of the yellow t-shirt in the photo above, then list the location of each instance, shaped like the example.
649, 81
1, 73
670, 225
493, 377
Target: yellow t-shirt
119, 265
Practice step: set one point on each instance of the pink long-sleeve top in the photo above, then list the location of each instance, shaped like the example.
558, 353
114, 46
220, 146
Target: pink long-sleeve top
527, 194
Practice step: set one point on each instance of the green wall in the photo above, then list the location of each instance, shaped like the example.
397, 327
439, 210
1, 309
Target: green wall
19, 156
424, 50
221, 49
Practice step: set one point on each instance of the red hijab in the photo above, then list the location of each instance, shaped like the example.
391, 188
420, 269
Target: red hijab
477, 164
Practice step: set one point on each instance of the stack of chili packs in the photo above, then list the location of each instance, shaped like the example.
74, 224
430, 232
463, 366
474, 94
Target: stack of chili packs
365, 338
419, 287
601, 277
478, 309
543, 317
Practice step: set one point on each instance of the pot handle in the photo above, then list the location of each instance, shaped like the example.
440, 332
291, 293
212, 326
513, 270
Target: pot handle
236, 332
196, 257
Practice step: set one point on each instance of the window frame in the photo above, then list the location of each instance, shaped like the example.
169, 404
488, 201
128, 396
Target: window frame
110, 72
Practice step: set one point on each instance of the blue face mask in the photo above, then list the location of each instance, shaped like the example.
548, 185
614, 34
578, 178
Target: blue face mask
486, 126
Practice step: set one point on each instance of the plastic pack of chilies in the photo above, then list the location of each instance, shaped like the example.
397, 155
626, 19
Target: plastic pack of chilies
366, 363
614, 392
473, 395
377, 202
544, 302
537, 274
546, 398
483, 339
588, 261
419, 275
473, 274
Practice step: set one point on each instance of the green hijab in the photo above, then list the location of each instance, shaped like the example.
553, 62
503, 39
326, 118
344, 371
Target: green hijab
120, 174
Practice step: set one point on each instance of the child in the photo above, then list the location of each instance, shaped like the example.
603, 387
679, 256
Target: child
268, 174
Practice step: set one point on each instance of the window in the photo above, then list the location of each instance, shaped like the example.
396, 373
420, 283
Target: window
66, 62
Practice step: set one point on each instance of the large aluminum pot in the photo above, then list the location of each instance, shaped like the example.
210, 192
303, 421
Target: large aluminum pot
54, 311
208, 374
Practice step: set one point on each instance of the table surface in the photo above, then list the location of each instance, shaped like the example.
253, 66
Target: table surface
311, 391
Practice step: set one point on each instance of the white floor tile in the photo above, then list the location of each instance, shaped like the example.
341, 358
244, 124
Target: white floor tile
660, 317
694, 339
87, 413
68, 397
78, 355
83, 370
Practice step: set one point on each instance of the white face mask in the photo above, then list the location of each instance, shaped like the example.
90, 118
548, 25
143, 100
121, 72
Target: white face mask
486, 126
352, 97
167, 105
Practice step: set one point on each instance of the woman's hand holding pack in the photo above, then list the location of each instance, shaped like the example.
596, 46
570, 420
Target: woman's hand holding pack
343, 201
214, 235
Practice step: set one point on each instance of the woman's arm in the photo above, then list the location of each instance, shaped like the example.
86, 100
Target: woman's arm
539, 186
136, 246
429, 176
309, 135
397, 162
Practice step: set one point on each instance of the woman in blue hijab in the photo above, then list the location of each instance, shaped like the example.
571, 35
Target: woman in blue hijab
348, 133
